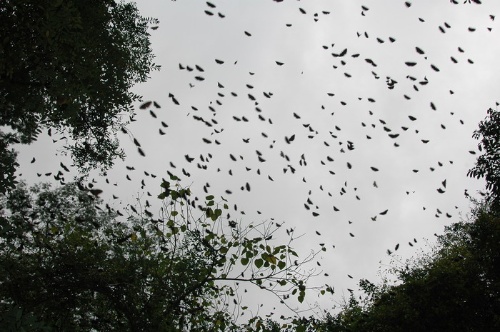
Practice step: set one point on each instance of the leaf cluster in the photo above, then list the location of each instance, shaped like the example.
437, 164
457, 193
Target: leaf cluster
488, 164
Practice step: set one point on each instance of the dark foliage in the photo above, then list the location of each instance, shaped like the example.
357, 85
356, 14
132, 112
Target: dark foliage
68, 66
488, 164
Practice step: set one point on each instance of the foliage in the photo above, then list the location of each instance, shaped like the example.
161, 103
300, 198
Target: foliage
69, 65
8, 163
488, 164
455, 288
70, 265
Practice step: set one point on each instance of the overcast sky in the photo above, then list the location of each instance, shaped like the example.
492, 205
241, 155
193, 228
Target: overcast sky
283, 70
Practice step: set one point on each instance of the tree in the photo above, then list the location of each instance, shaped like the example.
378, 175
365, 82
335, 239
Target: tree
69, 265
68, 66
454, 288
488, 164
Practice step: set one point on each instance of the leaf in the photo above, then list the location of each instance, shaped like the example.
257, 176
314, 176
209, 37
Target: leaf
244, 261
209, 197
281, 266
269, 258
258, 263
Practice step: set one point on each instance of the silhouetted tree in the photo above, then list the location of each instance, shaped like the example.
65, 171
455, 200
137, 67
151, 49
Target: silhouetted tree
488, 164
68, 66
454, 288
68, 265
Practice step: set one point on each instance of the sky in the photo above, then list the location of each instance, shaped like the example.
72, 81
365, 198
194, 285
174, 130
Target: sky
316, 88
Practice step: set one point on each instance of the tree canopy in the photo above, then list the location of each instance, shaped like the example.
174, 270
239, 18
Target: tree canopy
456, 287
69, 265
488, 164
69, 66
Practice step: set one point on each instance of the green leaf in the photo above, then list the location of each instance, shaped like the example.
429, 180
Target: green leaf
258, 262
281, 265
209, 197
269, 258
244, 261
300, 328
